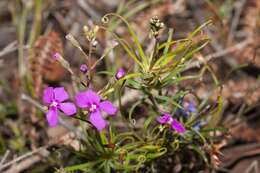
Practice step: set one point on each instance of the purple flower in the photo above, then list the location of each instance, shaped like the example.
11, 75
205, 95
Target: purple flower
167, 119
189, 107
120, 73
92, 102
83, 68
178, 126
55, 98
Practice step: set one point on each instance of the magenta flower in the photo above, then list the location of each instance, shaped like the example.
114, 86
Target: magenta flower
167, 119
120, 73
55, 98
92, 102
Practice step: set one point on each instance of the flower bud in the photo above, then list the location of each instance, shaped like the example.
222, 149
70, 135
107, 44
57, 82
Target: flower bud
83, 68
56, 56
120, 73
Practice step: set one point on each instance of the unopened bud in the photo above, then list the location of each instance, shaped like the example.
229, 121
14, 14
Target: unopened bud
83, 68
120, 74
56, 56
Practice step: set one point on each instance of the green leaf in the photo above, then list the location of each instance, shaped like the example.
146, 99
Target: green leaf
191, 53
151, 147
169, 100
129, 76
135, 39
196, 31
200, 152
128, 51
148, 122
134, 84
132, 110
83, 166
160, 152
216, 114
168, 44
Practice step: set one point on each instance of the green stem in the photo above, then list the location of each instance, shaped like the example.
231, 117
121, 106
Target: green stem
154, 54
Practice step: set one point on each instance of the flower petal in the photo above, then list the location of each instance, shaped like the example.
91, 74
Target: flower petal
68, 108
178, 126
108, 107
191, 107
97, 120
81, 100
48, 95
60, 94
85, 99
164, 119
52, 117
92, 97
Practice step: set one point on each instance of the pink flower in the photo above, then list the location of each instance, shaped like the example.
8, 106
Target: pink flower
167, 119
92, 102
55, 98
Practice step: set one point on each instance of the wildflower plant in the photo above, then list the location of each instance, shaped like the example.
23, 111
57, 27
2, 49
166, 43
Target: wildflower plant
115, 137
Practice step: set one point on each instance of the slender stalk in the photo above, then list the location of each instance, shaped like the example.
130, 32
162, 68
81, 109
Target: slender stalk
36, 28
21, 36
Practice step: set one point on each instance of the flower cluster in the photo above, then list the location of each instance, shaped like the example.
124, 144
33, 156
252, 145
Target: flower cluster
88, 100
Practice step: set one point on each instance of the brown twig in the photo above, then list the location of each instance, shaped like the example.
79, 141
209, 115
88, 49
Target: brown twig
26, 163
9, 48
253, 166
249, 150
41, 150
89, 10
236, 18
4, 157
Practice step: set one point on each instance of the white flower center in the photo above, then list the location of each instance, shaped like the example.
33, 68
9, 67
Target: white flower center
54, 104
170, 121
92, 108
